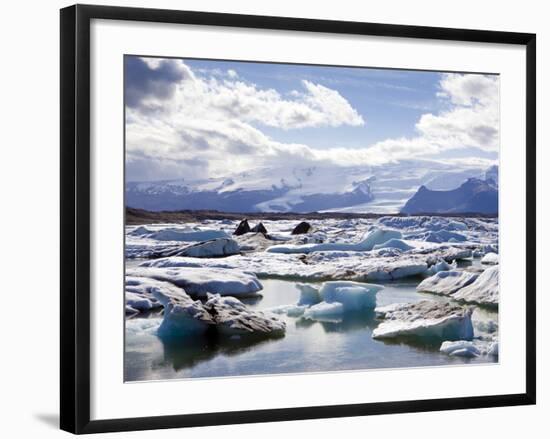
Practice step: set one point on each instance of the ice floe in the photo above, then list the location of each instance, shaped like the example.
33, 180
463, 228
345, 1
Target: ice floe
490, 259
436, 320
182, 315
446, 282
198, 281
483, 291
234, 318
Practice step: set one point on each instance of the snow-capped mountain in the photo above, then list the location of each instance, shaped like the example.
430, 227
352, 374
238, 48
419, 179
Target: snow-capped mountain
473, 196
383, 189
298, 190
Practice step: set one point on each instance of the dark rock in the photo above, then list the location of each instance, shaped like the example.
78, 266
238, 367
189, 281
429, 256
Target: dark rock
242, 228
302, 228
259, 228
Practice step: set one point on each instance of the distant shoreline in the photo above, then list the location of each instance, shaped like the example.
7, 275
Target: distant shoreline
141, 216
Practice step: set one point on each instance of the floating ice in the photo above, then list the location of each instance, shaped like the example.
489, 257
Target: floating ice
353, 296
446, 282
232, 317
182, 316
461, 348
444, 321
490, 259
324, 310
197, 281
309, 295
483, 291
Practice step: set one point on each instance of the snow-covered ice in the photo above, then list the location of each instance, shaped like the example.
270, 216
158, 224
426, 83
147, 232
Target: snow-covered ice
447, 282
198, 281
483, 291
234, 318
426, 319
490, 259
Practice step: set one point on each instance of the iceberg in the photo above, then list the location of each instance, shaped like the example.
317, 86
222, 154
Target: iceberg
309, 295
426, 319
483, 291
461, 348
490, 259
234, 318
324, 310
446, 282
183, 316
353, 296
197, 281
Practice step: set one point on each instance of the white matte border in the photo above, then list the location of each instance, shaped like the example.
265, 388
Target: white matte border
111, 398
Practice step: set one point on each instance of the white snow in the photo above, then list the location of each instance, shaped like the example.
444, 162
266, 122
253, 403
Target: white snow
197, 281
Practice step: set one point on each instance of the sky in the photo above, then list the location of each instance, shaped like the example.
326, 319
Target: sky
196, 119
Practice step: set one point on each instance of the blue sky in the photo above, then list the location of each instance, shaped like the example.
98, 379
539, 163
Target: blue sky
199, 118
390, 100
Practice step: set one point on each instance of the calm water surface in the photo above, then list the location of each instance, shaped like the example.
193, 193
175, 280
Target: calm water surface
308, 346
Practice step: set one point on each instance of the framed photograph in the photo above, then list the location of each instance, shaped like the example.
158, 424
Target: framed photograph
268, 218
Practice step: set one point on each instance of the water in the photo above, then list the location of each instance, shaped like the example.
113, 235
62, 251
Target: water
308, 346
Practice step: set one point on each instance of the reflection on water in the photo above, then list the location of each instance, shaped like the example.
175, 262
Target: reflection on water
307, 346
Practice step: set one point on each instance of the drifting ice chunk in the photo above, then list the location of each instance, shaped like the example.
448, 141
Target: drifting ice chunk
378, 236
324, 311
183, 317
447, 282
139, 293
197, 281
444, 321
211, 249
309, 295
232, 317
490, 259
353, 296
483, 291
394, 243
460, 348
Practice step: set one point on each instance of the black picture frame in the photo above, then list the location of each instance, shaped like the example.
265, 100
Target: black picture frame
75, 217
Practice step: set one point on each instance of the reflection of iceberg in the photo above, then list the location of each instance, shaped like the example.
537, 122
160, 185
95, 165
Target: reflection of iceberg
188, 352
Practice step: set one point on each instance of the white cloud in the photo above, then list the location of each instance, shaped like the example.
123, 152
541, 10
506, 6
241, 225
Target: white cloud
212, 126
